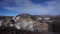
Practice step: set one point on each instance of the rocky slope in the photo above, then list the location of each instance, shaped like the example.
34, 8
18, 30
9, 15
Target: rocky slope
33, 23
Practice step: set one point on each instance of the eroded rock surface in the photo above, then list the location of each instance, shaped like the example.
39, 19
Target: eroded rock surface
31, 23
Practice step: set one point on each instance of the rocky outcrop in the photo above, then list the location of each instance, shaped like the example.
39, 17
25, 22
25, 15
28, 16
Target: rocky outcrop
30, 22
27, 22
6, 21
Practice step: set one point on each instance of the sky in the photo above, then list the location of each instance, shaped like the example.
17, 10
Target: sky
33, 7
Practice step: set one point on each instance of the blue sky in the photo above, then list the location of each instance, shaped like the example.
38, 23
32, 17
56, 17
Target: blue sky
34, 7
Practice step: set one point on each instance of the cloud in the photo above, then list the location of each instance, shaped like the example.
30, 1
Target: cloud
40, 1
49, 7
5, 3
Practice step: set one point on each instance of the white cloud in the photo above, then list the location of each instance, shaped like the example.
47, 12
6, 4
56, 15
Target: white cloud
27, 6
